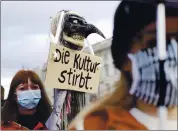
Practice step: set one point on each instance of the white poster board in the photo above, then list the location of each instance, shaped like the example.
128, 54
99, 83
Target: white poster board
72, 70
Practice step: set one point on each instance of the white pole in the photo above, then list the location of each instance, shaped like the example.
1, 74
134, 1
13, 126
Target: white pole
161, 31
161, 46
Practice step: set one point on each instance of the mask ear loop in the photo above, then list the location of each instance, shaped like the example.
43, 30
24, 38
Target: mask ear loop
161, 46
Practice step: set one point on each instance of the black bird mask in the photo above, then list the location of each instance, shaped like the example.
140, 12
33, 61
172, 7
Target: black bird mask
74, 29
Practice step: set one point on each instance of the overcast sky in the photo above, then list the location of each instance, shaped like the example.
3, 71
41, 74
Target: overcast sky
25, 29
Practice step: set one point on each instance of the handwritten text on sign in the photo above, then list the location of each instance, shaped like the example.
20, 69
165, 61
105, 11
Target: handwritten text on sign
72, 70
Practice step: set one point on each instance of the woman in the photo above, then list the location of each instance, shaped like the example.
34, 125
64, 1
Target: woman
135, 102
27, 103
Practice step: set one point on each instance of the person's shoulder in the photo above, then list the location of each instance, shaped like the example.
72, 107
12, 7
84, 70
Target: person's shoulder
112, 118
95, 120
109, 118
11, 125
91, 120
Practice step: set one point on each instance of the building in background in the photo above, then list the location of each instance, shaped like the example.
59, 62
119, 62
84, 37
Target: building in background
109, 74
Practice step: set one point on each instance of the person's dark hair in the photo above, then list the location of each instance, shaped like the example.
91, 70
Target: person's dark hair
130, 17
10, 110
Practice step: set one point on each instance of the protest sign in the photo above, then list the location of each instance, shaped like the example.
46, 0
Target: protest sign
72, 70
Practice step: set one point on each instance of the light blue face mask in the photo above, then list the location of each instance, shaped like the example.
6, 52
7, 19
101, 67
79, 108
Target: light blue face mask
29, 99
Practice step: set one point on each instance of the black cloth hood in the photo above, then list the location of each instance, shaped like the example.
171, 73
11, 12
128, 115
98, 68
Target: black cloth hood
130, 17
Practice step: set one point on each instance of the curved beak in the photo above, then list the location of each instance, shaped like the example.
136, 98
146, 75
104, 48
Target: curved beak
92, 29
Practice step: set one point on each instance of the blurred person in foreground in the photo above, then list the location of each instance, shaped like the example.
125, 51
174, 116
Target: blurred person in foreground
2, 96
27, 105
135, 104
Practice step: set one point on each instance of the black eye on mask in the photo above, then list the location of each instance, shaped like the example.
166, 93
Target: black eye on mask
75, 21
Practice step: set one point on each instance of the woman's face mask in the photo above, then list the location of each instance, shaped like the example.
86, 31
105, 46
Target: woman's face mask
28, 98
145, 73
